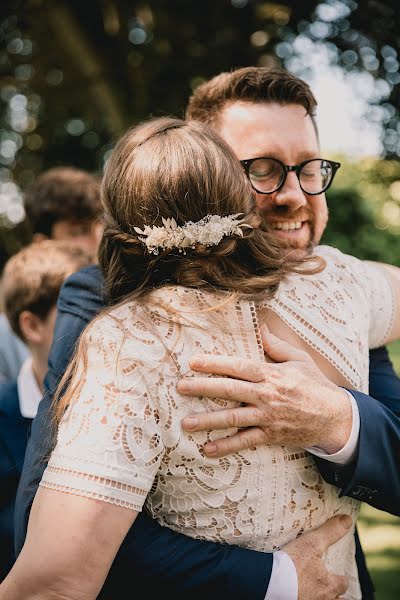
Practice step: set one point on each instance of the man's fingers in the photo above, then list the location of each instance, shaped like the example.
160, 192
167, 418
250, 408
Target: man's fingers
242, 416
228, 389
239, 368
247, 438
279, 350
330, 532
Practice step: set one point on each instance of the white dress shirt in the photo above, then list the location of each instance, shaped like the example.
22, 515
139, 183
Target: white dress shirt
28, 390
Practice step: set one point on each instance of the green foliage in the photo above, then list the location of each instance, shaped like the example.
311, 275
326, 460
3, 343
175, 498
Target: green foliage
394, 351
364, 216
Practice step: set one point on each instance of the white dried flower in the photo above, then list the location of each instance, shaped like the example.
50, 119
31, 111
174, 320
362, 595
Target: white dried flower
209, 231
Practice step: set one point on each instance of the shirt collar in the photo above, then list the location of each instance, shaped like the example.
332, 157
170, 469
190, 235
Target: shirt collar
28, 390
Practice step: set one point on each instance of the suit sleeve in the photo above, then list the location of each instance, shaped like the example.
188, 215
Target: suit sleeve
169, 562
161, 559
374, 474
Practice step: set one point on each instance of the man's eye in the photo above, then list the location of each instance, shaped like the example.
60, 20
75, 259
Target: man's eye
265, 169
262, 174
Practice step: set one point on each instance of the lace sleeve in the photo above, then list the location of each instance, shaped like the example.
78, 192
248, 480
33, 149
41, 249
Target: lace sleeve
382, 304
109, 442
376, 288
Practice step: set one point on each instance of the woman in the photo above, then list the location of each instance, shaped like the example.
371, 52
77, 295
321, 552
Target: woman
189, 270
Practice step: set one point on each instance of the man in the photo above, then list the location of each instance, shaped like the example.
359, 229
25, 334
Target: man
261, 113
235, 105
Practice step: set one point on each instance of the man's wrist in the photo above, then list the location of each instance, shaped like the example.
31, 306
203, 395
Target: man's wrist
344, 454
283, 584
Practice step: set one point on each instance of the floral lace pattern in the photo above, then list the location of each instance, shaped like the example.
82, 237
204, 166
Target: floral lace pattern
121, 440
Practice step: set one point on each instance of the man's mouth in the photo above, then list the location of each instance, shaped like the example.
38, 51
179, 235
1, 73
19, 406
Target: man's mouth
286, 225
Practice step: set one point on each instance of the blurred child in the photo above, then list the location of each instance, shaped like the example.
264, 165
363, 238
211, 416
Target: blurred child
31, 282
63, 204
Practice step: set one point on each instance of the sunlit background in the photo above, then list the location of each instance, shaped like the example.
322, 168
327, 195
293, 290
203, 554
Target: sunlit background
75, 73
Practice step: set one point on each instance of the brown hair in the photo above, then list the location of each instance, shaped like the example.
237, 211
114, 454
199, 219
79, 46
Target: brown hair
33, 277
248, 84
62, 194
166, 168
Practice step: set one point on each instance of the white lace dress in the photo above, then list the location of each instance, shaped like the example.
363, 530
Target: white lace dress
121, 440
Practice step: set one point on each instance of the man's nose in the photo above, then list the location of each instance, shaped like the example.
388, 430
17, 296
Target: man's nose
290, 193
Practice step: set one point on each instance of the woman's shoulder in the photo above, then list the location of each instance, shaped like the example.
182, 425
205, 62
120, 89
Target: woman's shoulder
341, 273
336, 256
340, 265
122, 332
113, 322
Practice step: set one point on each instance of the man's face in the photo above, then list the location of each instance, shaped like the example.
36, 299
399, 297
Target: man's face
84, 234
285, 132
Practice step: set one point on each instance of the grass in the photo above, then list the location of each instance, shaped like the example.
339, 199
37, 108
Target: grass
394, 351
380, 536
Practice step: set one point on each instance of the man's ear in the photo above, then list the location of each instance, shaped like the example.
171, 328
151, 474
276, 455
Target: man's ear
39, 237
31, 327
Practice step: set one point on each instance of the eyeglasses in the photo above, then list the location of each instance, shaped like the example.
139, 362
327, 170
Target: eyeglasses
267, 175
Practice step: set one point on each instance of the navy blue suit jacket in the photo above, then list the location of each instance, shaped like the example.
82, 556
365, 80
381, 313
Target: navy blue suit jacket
13, 439
170, 562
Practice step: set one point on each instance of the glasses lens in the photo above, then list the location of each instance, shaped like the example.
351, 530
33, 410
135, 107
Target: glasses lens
315, 176
266, 174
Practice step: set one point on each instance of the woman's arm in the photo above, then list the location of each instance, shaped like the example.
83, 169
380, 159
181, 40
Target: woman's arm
70, 546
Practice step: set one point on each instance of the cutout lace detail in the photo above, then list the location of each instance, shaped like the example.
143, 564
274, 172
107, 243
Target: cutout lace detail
342, 312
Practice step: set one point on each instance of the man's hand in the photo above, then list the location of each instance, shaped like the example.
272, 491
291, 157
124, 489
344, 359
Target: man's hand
307, 552
289, 402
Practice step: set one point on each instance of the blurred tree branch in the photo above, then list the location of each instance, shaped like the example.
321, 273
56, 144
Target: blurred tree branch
76, 45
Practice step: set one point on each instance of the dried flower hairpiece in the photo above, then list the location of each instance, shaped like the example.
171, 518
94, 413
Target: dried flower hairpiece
209, 231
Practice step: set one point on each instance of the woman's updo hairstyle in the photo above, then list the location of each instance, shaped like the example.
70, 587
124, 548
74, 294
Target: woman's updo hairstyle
164, 168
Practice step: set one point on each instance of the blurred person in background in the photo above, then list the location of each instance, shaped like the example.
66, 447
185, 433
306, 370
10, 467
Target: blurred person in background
13, 351
63, 204
31, 282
